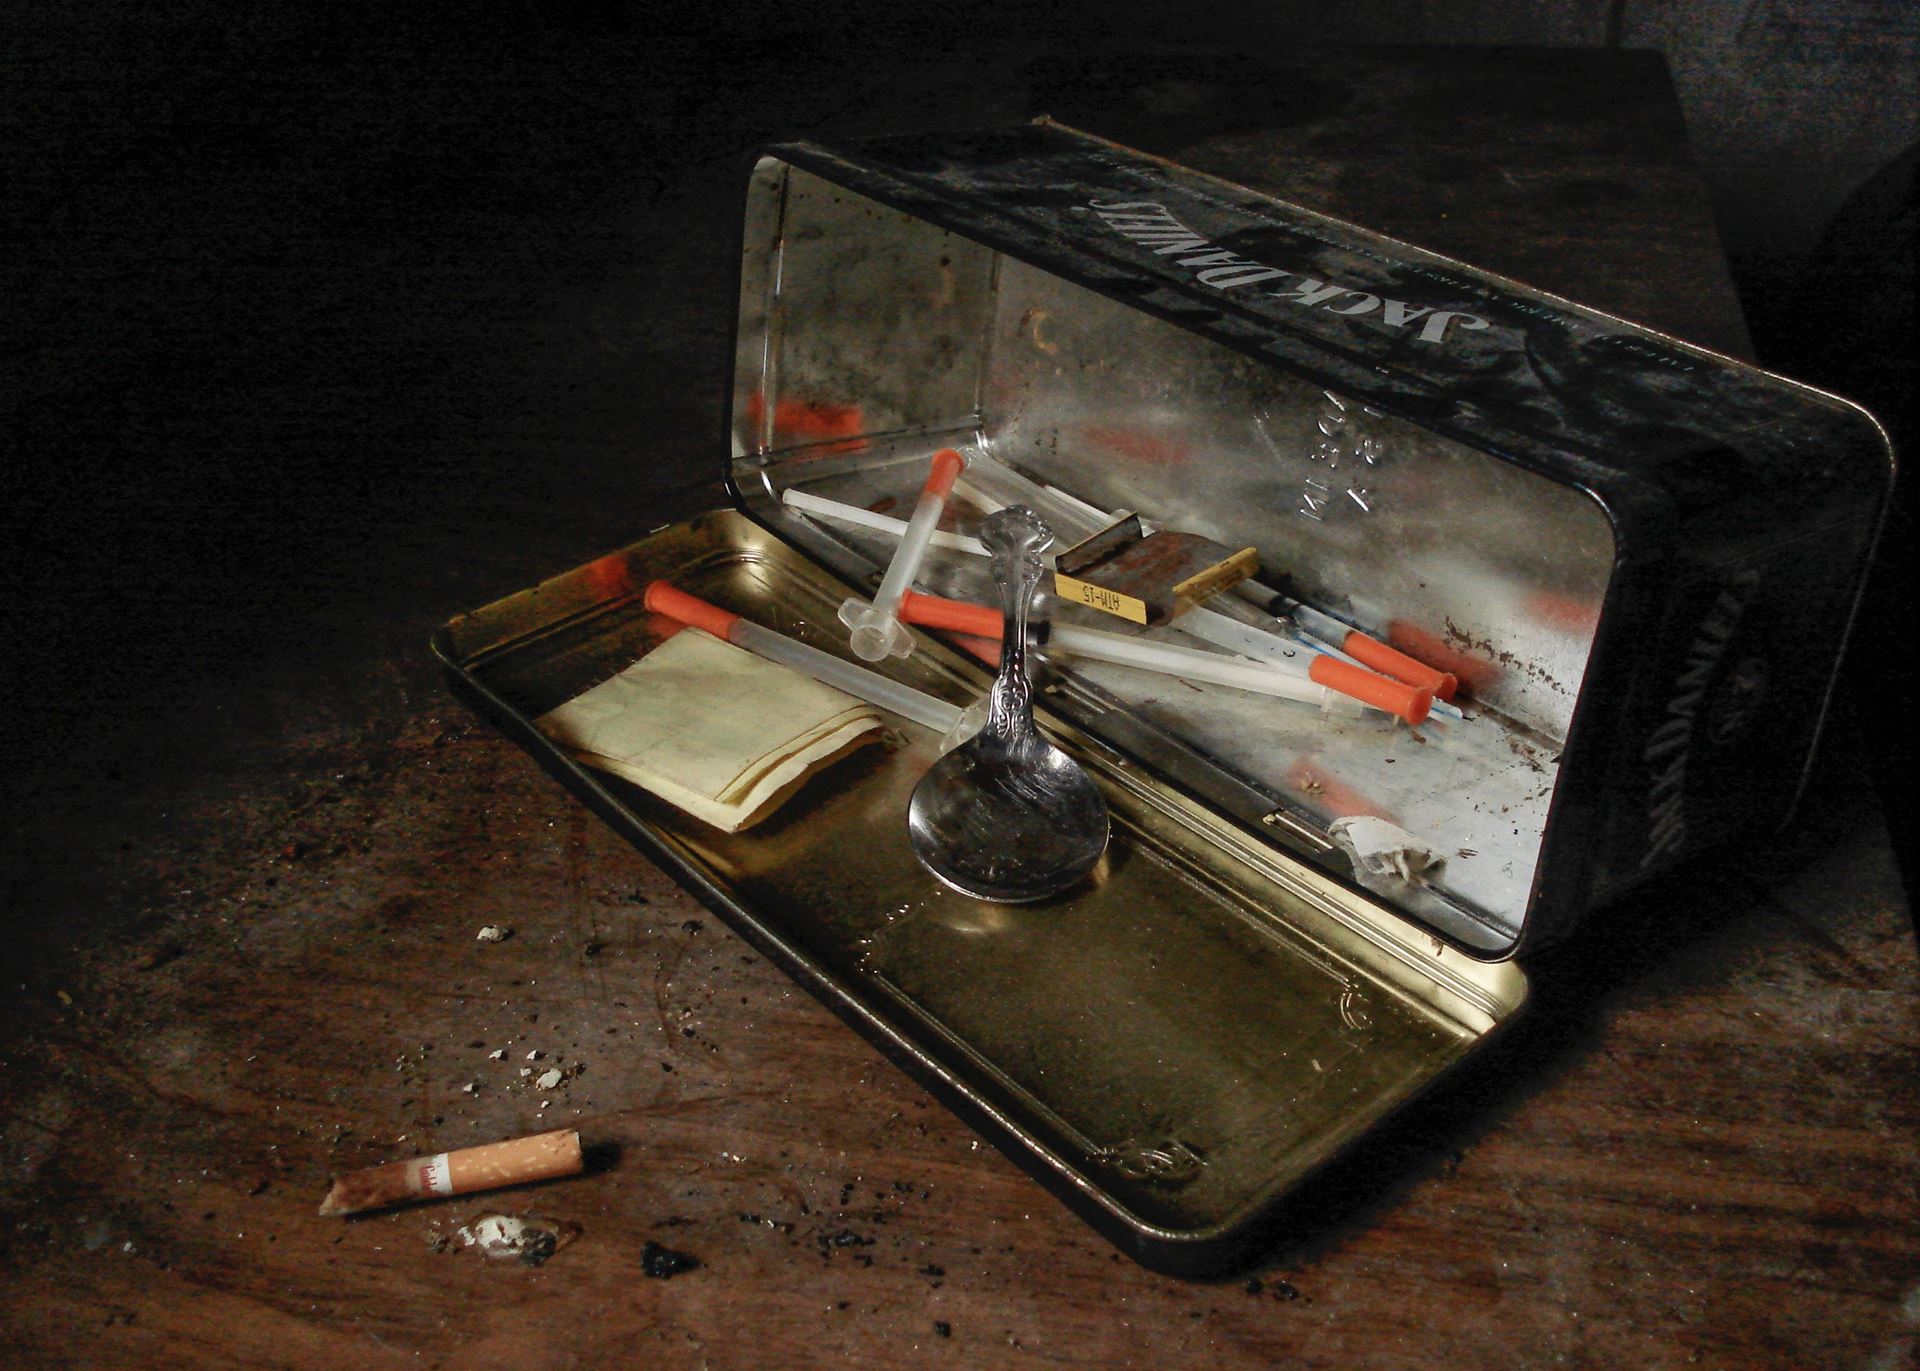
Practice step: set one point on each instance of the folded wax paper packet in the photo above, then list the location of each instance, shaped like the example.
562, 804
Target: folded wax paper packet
711, 728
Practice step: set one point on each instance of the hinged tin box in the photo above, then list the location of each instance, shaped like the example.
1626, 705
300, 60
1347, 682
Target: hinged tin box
1640, 560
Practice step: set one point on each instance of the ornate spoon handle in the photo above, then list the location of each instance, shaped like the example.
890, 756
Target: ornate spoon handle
1016, 538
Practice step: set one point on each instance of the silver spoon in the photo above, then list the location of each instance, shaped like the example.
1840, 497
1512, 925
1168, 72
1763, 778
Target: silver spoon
1007, 816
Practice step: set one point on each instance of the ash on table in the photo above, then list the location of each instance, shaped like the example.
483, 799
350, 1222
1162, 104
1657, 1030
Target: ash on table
663, 1262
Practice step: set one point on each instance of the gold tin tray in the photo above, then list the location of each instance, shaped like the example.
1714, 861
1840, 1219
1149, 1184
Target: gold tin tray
1172, 1048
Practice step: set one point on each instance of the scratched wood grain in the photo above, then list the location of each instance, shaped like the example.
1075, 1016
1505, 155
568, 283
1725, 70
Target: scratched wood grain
242, 898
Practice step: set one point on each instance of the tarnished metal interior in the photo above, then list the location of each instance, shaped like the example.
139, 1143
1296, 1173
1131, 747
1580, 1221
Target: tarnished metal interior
910, 338
1178, 1041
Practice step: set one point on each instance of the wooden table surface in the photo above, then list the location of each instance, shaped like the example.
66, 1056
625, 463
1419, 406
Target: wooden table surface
252, 837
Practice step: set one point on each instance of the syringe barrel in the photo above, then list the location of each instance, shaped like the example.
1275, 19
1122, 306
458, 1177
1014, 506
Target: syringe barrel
912, 551
922, 708
857, 681
874, 628
1260, 677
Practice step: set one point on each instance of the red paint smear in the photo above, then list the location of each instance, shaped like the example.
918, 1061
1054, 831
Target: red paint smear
1475, 673
1137, 446
809, 419
610, 577
1336, 797
1568, 613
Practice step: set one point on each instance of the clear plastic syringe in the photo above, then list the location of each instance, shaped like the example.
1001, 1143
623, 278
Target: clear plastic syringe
876, 630
1334, 685
665, 598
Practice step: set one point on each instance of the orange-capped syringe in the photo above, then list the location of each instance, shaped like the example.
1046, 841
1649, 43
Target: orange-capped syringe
876, 632
663, 597
1331, 633
1332, 684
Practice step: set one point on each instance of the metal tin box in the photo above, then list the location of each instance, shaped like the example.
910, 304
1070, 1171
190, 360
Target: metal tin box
1641, 559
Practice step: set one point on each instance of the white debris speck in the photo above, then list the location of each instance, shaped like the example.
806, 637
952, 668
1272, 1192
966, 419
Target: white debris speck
499, 1054
506, 1236
469, 1087
534, 1055
549, 1078
493, 933
526, 1071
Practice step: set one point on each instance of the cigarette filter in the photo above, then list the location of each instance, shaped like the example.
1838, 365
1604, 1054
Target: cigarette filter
515, 1162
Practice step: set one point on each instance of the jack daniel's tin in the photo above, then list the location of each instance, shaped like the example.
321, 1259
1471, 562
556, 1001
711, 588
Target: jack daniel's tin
1598, 531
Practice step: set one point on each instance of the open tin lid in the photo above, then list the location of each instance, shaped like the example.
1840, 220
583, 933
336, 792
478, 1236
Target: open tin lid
1597, 529
1592, 526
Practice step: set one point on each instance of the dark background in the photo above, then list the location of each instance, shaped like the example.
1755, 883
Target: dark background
304, 300
326, 323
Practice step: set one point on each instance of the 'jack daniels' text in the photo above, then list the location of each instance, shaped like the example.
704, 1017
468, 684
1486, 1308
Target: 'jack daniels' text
1152, 225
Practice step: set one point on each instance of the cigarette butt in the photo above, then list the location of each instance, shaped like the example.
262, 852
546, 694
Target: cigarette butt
515, 1162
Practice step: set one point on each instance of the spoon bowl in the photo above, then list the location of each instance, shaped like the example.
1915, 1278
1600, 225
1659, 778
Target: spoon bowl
1007, 816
